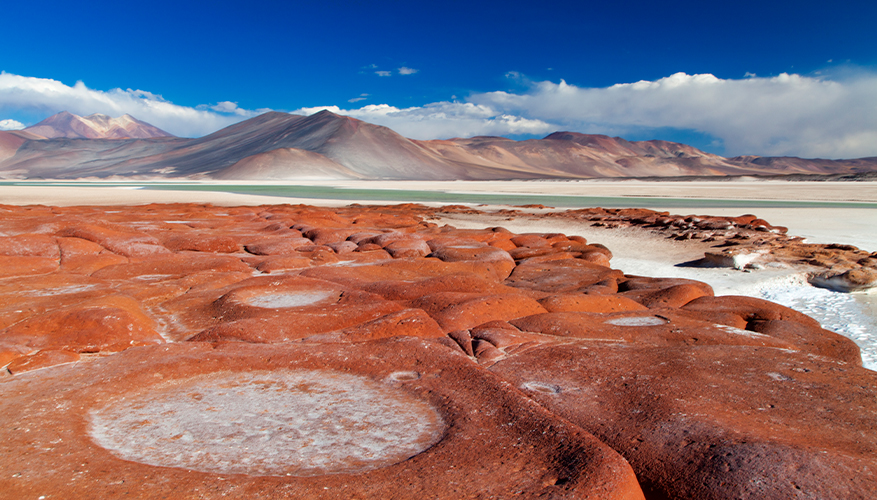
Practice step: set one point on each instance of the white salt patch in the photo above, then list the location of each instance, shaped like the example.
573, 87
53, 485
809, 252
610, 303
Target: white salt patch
404, 376
61, 290
288, 299
278, 423
739, 331
541, 387
154, 277
636, 321
843, 313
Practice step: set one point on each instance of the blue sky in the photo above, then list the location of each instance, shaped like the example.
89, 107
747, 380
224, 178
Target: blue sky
744, 77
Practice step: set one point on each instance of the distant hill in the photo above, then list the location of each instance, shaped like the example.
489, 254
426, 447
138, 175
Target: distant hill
282, 146
96, 126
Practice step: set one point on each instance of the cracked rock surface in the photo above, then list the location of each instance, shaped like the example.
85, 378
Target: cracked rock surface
281, 351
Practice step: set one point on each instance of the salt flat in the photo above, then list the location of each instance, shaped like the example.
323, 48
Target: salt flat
822, 212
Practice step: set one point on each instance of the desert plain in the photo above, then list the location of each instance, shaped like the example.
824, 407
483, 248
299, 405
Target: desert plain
206, 344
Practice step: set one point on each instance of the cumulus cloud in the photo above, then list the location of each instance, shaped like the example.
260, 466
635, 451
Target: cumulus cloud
407, 71
383, 73
442, 120
46, 96
227, 107
11, 125
783, 115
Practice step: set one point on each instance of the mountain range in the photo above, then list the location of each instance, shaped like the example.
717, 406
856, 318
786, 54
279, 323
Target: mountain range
282, 146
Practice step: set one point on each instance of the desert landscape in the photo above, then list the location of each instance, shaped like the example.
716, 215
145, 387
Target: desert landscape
325, 338
476, 250
405, 336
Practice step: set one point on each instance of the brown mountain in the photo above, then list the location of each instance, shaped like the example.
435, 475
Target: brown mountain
96, 126
328, 146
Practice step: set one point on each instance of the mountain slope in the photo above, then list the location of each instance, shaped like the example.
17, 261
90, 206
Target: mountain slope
286, 164
96, 126
278, 145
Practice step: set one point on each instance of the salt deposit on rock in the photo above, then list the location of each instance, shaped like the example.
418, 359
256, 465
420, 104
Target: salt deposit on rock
367, 352
276, 423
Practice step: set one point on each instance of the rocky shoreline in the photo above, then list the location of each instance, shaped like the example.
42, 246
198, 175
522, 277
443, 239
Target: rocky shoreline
434, 361
747, 242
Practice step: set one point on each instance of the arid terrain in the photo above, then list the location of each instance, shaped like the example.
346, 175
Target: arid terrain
181, 324
368, 351
326, 146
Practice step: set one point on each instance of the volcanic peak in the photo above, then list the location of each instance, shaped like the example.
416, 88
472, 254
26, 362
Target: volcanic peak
95, 126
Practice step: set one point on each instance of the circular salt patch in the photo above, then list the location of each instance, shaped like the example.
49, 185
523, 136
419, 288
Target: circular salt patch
280, 423
636, 321
288, 299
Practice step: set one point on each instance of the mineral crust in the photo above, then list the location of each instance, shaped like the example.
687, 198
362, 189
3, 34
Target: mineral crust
197, 351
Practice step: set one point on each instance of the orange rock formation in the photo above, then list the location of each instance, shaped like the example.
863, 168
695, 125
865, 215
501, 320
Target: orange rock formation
364, 352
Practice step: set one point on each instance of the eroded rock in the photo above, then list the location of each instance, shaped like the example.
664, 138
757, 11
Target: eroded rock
191, 350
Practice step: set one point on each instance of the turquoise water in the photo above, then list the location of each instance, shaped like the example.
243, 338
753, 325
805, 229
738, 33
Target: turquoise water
382, 195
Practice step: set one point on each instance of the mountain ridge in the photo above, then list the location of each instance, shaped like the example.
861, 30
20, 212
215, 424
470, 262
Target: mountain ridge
95, 126
283, 146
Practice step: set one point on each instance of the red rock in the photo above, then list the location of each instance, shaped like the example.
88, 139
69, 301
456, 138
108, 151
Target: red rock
529, 252
810, 339
407, 248
41, 359
448, 429
531, 241
596, 257
27, 266
655, 327
125, 243
457, 311
570, 275
407, 322
279, 263
672, 296
406, 290
326, 235
506, 245
277, 246
179, 264
9, 352
202, 243
343, 246
30, 245
580, 302
286, 309
662, 384
713, 421
112, 323
750, 309
89, 264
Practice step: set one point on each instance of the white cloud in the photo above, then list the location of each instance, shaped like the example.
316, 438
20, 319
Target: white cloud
228, 107
11, 125
46, 96
782, 115
442, 120
383, 73
407, 71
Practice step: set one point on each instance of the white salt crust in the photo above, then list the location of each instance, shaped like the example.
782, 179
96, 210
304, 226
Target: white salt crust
636, 321
277, 423
283, 300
